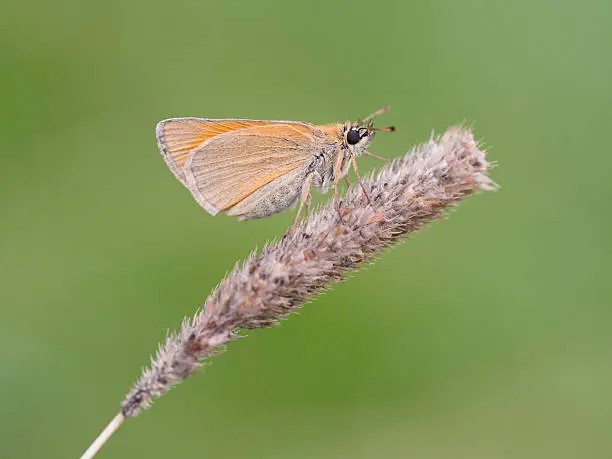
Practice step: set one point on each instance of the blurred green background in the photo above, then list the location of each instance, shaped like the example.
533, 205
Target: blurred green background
485, 336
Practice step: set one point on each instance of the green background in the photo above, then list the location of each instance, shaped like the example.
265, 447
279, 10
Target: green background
485, 336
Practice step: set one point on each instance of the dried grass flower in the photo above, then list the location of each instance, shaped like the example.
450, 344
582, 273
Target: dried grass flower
347, 232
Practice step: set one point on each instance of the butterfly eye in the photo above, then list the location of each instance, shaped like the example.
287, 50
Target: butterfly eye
353, 137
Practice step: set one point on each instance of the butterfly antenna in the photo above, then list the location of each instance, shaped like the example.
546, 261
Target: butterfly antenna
385, 129
376, 113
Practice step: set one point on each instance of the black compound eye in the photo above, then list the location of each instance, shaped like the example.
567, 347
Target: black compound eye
353, 136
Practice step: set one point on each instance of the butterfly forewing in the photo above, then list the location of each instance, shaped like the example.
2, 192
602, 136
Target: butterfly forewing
229, 167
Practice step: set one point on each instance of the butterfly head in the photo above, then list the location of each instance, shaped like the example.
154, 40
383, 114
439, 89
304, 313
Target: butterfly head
359, 134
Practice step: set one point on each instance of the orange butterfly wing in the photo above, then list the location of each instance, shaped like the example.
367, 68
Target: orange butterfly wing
227, 168
223, 161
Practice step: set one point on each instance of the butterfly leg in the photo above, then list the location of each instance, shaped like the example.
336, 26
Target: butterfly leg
309, 203
354, 163
380, 158
305, 197
337, 171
